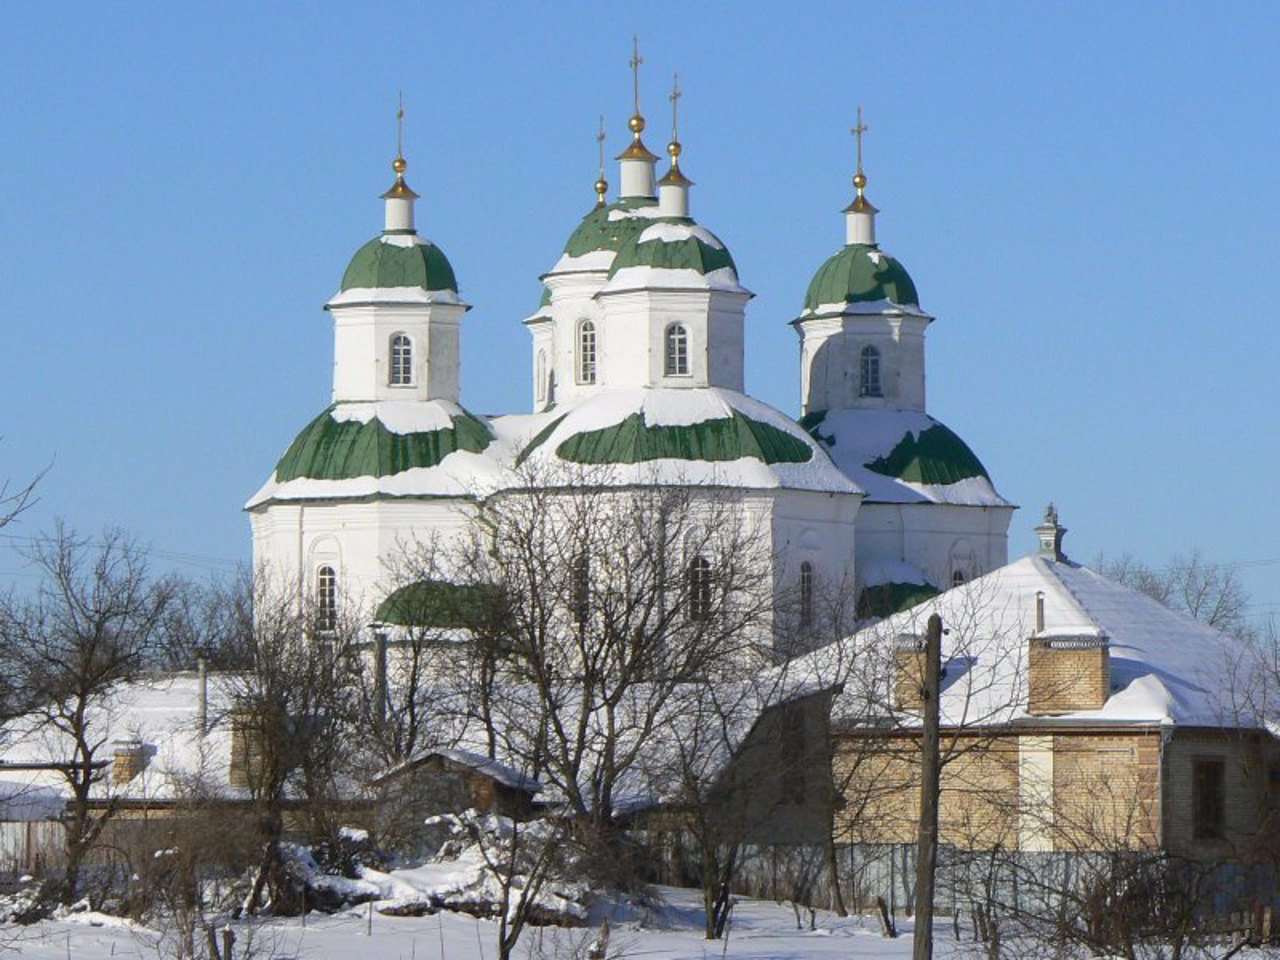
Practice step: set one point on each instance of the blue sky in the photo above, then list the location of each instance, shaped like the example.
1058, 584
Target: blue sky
1083, 194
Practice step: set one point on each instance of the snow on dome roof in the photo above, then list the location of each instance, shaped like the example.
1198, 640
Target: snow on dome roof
706, 435
903, 456
860, 274
387, 448
1166, 668
674, 252
394, 261
602, 233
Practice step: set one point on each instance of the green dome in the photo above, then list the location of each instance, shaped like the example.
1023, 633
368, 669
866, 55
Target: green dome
716, 440
933, 456
860, 273
598, 232
329, 449
674, 244
382, 264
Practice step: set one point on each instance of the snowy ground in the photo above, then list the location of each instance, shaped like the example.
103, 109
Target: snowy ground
760, 930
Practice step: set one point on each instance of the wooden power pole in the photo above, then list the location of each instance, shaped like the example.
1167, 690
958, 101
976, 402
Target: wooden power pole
930, 773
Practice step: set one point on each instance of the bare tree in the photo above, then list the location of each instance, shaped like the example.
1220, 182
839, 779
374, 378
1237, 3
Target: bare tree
292, 714
88, 629
1210, 592
589, 613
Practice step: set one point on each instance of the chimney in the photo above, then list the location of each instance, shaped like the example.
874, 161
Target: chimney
1050, 534
128, 759
908, 671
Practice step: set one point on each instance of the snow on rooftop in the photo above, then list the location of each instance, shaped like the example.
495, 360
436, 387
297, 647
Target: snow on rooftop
401, 416
160, 715
667, 278
1166, 668
865, 307
675, 407
676, 232
411, 295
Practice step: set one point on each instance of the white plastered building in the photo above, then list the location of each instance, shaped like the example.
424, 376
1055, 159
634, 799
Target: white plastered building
637, 363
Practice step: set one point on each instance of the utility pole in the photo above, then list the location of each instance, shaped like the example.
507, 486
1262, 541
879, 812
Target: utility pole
930, 771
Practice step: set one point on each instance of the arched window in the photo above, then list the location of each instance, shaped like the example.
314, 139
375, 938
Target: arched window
957, 577
581, 588
700, 590
586, 352
540, 377
676, 363
869, 383
806, 594
326, 598
401, 361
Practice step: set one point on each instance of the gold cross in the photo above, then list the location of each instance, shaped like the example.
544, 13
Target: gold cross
600, 141
635, 62
400, 127
858, 131
676, 94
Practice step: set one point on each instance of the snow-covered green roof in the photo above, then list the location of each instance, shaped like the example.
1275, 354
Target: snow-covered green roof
674, 252
399, 260
683, 436
602, 233
859, 273
390, 448
903, 456
609, 227
436, 603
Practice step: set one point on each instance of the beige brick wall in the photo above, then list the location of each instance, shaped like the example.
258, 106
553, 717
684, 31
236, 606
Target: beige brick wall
1064, 679
1088, 791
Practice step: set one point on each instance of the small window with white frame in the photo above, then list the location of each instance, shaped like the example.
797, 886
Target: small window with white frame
806, 594
869, 373
326, 598
700, 605
401, 361
586, 352
676, 354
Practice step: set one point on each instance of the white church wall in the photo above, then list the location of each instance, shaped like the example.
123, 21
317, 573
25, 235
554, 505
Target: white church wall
571, 304
369, 544
820, 529
936, 538
362, 351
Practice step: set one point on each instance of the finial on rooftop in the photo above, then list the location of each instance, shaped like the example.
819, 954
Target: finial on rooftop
399, 214
637, 161
1050, 534
860, 216
673, 192
602, 185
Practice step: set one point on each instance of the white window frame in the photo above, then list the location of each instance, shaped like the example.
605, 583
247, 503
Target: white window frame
326, 597
869, 382
400, 367
700, 589
806, 594
675, 352
588, 352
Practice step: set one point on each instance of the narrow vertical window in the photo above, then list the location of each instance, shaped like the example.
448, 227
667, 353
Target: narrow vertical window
677, 351
581, 589
806, 594
586, 352
401, 361
1208, 798
957, 577
869, 382
700, 590
326, 598
540, 377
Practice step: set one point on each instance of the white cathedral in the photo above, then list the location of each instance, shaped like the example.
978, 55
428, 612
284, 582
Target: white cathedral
637, 362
